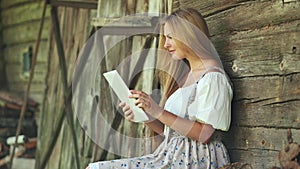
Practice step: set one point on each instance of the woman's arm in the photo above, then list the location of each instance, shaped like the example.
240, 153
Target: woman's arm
194, 130
153, 123
156, 126
191, 129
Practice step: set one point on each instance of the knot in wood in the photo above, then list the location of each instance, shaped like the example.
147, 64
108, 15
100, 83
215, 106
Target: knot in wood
282, 64
234, 68
294, 50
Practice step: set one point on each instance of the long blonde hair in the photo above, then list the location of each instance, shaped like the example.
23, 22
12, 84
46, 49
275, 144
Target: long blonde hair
175, 76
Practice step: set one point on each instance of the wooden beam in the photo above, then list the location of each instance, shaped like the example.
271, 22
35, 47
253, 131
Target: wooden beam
88, 4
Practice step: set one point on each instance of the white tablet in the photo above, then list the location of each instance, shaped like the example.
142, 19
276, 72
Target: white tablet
119, 87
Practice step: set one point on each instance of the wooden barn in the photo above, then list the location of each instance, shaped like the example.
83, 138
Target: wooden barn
43, 42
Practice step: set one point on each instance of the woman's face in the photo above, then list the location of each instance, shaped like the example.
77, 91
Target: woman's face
171, 45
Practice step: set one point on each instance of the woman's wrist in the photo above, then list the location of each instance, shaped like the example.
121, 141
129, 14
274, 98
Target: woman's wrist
160, 114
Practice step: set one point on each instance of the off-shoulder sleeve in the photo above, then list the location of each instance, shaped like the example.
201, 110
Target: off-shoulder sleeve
212, 104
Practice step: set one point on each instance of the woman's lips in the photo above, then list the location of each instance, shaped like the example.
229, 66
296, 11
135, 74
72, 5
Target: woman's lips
171, 52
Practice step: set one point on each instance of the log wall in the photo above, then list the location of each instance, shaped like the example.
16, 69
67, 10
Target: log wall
20, 24
257, 40
259, 43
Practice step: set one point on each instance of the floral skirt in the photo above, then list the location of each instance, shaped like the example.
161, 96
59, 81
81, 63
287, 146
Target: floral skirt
177, 152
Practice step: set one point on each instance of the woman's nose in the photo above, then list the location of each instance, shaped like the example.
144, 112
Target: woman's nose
167, 43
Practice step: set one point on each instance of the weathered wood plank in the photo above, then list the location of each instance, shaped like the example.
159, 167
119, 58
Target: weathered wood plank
213, 6
276, 115
260, 138
18, 68
90, 4
25, 32
23, 13
118, 8
268, 51
272, 89
9, 4
226, 16
38, 78
259, 159
14, 53
37, 88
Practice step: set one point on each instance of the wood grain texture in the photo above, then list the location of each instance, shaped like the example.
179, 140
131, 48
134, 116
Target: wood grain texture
261, 138
14, 53
20, 24
11, 4
258, 42
23, 13
271, 115
26, 32
259, 159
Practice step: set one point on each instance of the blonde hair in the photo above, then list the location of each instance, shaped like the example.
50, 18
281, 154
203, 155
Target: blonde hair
193, 17
172, 81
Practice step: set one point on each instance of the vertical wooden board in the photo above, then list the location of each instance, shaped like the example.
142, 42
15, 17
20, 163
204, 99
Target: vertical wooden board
55, 155
112, 9
79, 38
53, 96
66, 151
54, 92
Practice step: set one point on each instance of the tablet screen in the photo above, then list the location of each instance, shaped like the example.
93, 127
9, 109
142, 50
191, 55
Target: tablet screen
120, 88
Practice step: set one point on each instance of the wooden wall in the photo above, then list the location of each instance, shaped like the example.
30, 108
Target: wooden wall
20, 24
259, 42
74, 24
260, 48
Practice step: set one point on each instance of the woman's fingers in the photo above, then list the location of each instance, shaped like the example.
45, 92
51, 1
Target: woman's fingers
122, 104
128, 114
142, 99
137, 94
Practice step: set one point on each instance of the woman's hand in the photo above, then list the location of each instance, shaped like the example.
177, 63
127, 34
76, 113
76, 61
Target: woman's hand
128, 113
145, 102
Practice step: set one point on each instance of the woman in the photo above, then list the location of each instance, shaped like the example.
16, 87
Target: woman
194, 113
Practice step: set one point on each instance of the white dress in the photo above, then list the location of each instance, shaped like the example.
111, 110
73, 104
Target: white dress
207, 101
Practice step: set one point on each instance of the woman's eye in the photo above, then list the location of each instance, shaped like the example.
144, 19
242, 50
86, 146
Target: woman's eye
169, 37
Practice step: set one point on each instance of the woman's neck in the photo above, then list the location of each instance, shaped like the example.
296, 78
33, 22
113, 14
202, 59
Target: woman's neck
196, 64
